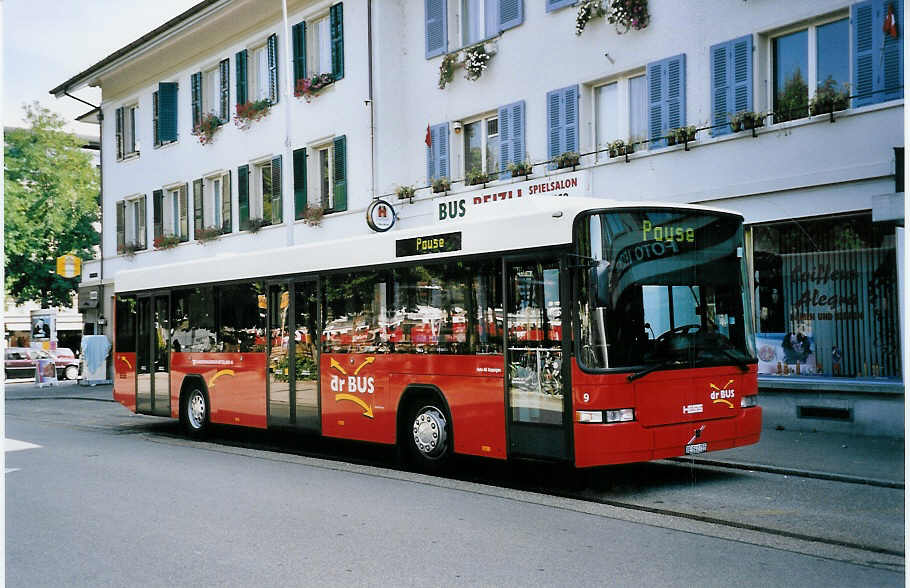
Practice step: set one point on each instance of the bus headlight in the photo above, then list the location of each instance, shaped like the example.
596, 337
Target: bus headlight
589, 416
748, 401
623, 415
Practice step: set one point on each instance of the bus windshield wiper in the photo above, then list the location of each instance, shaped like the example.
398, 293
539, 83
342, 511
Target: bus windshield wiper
652, 368
741, 364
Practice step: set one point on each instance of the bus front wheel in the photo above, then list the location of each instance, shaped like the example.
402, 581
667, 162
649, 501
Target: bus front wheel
429, 436
196, 413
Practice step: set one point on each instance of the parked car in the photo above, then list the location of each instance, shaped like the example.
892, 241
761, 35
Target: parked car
20, 362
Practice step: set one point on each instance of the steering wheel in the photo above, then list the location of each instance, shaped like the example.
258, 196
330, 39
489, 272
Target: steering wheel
682, 331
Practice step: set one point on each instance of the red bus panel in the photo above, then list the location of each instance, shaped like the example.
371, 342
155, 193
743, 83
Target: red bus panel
235, 382
125, 379
673, 409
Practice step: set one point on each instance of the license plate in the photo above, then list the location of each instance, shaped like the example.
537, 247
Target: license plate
696, 448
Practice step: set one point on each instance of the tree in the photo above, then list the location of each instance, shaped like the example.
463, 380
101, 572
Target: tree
51, 204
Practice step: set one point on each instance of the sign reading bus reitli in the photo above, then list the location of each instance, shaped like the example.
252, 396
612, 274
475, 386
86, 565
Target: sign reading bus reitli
492, 199
69, 266
427, 245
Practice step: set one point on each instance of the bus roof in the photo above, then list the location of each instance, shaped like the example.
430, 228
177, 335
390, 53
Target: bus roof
492, 226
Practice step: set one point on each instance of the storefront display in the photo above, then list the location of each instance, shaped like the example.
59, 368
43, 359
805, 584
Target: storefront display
826, 297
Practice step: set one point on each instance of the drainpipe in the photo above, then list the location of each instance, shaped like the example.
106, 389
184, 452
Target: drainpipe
370, 99
288, 156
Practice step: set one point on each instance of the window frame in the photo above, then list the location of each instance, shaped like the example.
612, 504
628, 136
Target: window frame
255, 86
809, 25
314, 173
135, 221
313, 50
130, 112
171, 209
623, 83
256, 195
213, 203
461, 151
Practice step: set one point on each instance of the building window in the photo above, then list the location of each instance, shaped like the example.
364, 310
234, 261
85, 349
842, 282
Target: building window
216, 202
467, 21
170, 212
164, 114
131, 226
326, 174
127, 142
319, 51
806, 59
481, 145
826, 297
620, 112
257, 73
472, 21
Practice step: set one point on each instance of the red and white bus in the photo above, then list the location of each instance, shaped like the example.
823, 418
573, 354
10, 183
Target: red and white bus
585, 330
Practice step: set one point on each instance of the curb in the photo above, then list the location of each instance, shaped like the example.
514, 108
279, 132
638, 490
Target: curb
793, 472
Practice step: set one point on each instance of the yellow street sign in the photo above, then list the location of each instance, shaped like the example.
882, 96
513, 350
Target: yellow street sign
69, 266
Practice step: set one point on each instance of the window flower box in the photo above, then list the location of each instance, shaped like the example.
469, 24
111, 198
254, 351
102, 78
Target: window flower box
250, 112
206, 129
309, 87
166, 242
207, 234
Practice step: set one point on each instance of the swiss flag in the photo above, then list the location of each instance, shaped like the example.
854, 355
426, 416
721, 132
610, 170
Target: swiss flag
429, 139
890, 26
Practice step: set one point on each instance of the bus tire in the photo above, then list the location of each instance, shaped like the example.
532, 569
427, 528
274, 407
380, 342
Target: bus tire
194, 411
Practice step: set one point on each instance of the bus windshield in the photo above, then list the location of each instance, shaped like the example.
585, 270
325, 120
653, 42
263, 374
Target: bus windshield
661, 289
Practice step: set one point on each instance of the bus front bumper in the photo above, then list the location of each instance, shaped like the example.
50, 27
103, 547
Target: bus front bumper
605, 444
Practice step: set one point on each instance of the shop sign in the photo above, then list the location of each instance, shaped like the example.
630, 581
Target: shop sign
380, 216
488, 201
69, 266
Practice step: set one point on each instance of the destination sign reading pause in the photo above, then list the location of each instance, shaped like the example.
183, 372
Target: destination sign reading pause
427, 245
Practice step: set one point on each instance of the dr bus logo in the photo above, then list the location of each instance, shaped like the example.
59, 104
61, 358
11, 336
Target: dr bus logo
723, 395
353, 387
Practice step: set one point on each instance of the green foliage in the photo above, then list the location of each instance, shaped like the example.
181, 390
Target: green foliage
793, 100
51, 202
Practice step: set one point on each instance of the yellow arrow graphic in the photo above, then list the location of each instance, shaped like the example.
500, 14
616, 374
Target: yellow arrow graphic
367, 361
727, 402
126, 361
724, 388
218, 374
333, 363
367, 411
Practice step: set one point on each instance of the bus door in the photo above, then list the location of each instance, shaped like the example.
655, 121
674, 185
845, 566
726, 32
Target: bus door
305, 351
279, 384
535, 366
152, 360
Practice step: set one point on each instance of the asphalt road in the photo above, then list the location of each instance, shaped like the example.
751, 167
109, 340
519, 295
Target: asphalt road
112, 498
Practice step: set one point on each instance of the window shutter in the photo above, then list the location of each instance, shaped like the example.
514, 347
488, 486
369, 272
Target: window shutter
141, 230
272, 50
298, 43
892, 53
121, 226
224, 69
198, 207
167, 111
435, 29
157, 214
240, 65
511, 13
276, 191
562, 121
438, 152
119, 118
226, 221
184, 213
156, 135
299, 157
511, 136
196, 97
865, 50
557, 4
666, 98
336, 26
731, 81
340, 193
243, 196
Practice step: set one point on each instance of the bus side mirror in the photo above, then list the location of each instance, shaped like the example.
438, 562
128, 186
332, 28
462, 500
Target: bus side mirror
599, 278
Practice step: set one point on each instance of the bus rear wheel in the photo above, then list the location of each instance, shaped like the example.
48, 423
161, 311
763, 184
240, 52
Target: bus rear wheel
429, 436
196, 413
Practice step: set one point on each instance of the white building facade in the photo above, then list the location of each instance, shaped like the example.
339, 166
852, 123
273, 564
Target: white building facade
820, 182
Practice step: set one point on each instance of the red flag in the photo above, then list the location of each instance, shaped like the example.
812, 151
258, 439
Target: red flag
890, 26
429, 139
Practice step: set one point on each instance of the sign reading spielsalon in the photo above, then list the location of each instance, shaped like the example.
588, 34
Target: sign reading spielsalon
487, 200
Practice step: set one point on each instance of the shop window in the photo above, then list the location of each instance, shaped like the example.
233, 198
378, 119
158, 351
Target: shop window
826, 297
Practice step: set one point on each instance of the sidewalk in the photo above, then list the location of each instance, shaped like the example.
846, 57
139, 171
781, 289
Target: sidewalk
875, 460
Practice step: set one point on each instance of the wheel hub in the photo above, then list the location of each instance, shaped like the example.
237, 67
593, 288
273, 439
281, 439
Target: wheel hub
197, 409
430, 432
